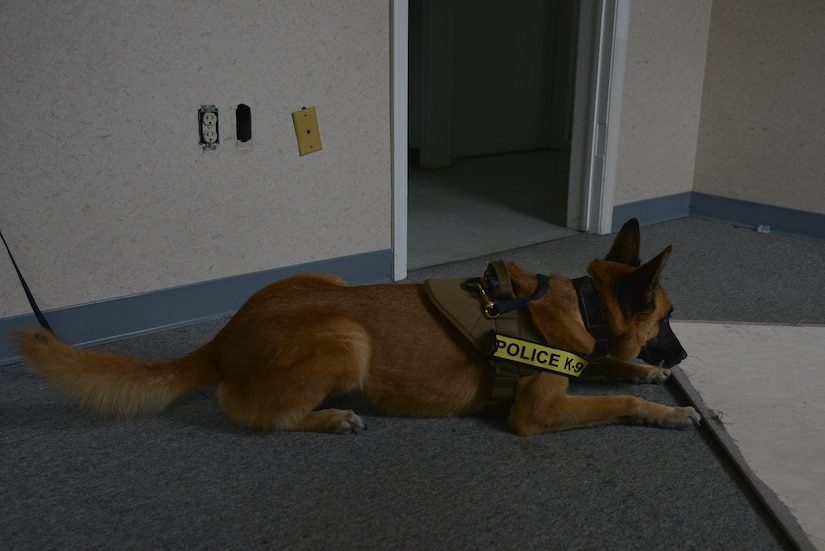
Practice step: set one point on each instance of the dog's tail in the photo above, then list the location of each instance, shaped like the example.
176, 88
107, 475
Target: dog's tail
113, 385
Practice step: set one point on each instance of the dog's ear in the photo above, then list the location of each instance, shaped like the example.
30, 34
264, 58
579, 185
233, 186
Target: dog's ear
641, 283
625, 249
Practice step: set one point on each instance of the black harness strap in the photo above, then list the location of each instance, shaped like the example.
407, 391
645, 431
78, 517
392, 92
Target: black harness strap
498, 292
37, 313
520, 302
595, 319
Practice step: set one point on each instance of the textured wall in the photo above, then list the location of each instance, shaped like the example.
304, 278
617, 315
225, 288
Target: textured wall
662, 97
761, 136
105, 191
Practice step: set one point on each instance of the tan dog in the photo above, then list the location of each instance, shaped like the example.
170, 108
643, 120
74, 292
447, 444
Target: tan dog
301, 340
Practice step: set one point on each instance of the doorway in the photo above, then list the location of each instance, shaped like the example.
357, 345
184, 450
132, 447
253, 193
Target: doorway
491, 92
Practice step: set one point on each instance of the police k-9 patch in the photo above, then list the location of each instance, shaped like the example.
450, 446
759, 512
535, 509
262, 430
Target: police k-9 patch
536, 355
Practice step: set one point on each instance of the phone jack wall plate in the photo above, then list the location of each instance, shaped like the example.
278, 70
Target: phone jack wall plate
208, 127
306, 130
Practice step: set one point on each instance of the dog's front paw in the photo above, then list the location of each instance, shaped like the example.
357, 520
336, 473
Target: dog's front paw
695, 417
661, 375
675, 417
654, 375
346, 421
686, 417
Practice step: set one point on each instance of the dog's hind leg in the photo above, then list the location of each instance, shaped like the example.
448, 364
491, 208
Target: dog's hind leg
318, 357
536, 412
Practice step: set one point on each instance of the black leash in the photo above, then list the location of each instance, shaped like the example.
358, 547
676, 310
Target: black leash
37, 313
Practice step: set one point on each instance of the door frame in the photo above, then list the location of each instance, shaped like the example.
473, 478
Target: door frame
602, 48
399, 107
600, 69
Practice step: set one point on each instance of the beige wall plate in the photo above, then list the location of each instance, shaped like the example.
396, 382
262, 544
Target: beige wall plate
306, 130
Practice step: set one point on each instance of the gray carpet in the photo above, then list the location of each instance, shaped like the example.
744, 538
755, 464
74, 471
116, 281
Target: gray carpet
189, 479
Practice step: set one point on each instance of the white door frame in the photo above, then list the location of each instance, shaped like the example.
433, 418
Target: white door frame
600, 70
399, 62
599, 82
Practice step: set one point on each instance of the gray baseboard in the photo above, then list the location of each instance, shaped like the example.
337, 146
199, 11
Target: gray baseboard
714, 207
746, 213
123, 317
653, 211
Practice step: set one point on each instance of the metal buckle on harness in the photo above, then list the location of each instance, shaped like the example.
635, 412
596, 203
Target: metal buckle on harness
488, 305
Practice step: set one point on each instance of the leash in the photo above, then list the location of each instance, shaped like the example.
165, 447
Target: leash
37, 313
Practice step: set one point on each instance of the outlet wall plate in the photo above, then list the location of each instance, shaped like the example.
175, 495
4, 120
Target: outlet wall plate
208, 133
306, 130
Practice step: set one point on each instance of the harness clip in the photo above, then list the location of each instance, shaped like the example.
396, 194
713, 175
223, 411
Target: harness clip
488, 305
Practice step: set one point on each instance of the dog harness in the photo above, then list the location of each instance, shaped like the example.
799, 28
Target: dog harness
487, 312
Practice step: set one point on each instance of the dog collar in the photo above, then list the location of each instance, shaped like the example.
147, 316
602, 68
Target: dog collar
593, 314
590, 304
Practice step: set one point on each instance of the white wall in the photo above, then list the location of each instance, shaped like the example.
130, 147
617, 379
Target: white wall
105, 191
662, 98
761, 136
724, 98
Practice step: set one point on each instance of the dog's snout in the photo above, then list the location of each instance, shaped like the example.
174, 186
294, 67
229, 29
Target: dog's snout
665, 349
675, 356
673, 350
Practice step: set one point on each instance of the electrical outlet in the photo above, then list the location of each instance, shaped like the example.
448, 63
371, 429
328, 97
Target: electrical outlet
208, 127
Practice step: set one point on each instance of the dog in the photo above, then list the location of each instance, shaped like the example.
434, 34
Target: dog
301, 340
